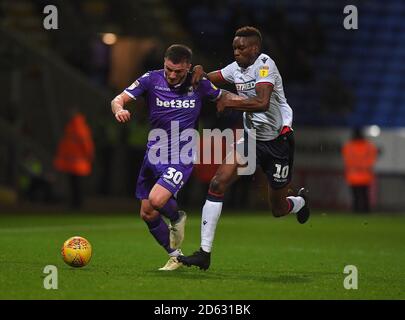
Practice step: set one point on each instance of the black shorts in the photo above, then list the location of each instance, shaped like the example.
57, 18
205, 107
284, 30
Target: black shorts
276, 158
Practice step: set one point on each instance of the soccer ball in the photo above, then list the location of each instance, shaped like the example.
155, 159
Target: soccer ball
76, 251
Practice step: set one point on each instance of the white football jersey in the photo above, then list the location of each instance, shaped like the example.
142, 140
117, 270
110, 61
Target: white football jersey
268, 124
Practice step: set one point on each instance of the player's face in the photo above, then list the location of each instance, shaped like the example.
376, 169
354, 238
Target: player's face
245, 51
175, 73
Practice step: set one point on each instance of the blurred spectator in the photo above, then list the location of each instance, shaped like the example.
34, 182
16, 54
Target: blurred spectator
359, 157
75, 155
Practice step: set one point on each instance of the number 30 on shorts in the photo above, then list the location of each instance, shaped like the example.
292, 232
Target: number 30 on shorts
281, 172
174, 175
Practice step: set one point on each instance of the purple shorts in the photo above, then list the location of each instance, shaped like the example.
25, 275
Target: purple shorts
170, 176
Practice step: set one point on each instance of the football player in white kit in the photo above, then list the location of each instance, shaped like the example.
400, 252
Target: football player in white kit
266, 110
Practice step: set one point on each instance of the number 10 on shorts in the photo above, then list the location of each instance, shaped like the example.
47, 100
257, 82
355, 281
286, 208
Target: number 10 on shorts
281, 172
174, 175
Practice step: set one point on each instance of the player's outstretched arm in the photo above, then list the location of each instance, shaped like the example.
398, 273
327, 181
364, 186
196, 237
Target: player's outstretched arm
117, 107
215, 76
259, 103
226, 98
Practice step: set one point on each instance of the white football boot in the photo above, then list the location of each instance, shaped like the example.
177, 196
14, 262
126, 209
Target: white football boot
177, 231
171, 264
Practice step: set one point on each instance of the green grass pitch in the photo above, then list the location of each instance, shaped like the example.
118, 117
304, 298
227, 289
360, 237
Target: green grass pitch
255, 256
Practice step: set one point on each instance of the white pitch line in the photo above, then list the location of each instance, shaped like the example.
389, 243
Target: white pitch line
68, 227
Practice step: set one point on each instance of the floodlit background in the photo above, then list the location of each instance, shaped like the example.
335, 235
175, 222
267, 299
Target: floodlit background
335, 80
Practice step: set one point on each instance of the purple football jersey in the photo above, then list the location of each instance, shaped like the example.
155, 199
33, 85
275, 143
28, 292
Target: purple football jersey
172, 111
170, 106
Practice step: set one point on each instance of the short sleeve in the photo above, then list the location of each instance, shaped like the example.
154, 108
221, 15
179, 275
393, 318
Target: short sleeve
228, 72
266, 71
139, 87
208, 90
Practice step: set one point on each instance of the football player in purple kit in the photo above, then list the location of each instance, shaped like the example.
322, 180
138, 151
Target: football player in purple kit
173, 103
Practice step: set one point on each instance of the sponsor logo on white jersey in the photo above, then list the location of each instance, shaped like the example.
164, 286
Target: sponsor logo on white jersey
245, 86
175, 103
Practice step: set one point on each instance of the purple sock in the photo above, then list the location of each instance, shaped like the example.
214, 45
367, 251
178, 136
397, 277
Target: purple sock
170, 210
159, 229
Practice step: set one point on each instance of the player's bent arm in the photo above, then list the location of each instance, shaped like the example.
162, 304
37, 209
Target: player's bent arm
259, 103
117, 107
215, 76
119, 102
224, 99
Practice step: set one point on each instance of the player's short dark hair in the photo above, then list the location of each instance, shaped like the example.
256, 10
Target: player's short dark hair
249, 32
178, 53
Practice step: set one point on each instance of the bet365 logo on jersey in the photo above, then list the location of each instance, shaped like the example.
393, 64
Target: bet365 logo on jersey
176, 103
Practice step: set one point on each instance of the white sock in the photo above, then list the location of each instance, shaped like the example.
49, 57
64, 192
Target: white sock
298, 203
175, 253
209, 220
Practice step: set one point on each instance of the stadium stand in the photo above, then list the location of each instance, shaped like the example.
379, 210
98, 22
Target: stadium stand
332, 76
355, 77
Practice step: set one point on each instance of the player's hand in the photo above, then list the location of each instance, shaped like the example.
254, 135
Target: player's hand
196, 76
123, 115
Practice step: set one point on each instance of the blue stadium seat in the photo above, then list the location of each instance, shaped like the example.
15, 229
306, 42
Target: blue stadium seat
370, 61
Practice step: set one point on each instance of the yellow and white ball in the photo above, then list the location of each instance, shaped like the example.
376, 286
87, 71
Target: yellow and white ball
76, 251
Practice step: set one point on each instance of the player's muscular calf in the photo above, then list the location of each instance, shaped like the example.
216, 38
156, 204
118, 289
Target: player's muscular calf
278, 202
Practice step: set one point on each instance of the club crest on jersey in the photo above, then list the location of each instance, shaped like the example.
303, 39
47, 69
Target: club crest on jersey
263, 71
190, 91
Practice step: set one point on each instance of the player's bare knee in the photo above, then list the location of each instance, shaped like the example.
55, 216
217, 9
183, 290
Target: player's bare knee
156, 202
